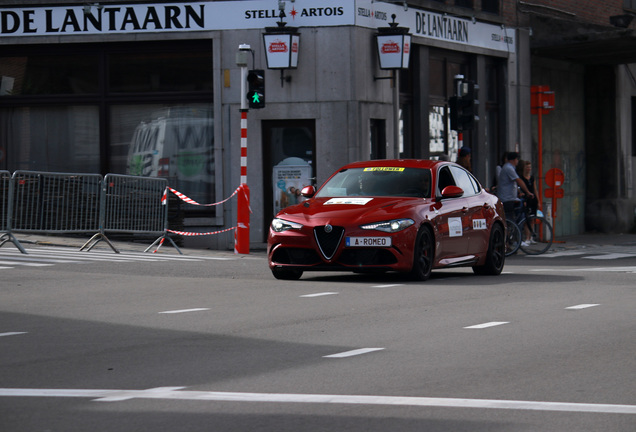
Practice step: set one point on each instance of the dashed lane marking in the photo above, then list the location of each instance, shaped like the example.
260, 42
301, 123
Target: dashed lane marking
176, 393
12, 334
319, 294
488, 324
353, 352
184, 311
582, 306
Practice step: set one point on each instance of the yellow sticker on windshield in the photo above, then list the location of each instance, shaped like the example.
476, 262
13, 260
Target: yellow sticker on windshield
384, 169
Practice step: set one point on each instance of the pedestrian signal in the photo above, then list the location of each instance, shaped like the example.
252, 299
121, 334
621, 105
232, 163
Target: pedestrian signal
256, 88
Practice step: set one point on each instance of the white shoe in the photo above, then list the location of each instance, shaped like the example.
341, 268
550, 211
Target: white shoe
525, 243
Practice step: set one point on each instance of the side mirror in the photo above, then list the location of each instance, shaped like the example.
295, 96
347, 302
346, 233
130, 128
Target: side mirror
308, 191
452, 192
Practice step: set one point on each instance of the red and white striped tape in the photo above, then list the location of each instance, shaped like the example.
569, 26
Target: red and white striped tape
184, 198
191, 234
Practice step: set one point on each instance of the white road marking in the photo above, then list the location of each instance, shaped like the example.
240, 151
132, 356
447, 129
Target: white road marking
610, 256
174, 393
28, 264
353, 352
386, 286
319, 294
488, 324
558, 254
37, 258
6, 268
184, 311
582, 306
12, 333
631, 269
143, 255
159, 393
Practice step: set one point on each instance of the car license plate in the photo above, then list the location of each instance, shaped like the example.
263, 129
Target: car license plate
368, 241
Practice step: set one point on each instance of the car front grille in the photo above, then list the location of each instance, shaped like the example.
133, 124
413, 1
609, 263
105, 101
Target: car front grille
367, 257
296, 256
328, 239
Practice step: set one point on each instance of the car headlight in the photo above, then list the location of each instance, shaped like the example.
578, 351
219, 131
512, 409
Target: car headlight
280, 225
389, 226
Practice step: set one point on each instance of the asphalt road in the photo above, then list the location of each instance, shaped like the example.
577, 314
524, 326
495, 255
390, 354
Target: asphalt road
210, 341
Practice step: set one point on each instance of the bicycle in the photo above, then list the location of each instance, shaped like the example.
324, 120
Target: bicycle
540, 230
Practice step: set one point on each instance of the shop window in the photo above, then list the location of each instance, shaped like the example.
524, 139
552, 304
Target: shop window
133, 72
633, 126
464, 3
490, 6
377, 138
49, 75
126, 108
53, 139
171, 141
437, 130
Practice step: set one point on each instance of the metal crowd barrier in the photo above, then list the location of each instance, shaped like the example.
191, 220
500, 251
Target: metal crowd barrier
55, 203
5, 178
131, 204
6, 194
63, 203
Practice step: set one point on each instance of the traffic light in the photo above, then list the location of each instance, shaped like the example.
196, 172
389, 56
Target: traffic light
256, 88
464, 108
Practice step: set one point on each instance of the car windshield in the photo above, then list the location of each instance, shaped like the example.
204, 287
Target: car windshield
379, 181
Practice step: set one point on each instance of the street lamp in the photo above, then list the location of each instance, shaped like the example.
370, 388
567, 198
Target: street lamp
394, 52
282, 44
394, 46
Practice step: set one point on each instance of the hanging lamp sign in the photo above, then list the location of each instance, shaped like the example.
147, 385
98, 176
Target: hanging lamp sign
281, 48
394, 46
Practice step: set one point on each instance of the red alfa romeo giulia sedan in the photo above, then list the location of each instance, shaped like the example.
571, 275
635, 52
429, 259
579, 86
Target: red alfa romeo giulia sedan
408, 216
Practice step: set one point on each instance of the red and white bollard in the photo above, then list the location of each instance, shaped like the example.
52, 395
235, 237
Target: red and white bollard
242, 233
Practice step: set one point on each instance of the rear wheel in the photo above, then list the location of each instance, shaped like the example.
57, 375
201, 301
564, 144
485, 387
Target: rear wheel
423, 255
513, 237
286, 274
540, 236
496, 253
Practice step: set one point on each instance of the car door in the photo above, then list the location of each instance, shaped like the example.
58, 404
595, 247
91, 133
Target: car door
450, 219
474, 209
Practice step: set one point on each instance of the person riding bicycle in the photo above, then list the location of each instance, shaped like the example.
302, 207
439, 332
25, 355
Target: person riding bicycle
508, 183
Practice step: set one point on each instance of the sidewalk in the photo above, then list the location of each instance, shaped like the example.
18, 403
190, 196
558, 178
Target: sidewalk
625, 243
598, 241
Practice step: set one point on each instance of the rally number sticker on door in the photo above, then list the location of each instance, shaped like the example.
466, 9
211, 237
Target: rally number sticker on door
479, 224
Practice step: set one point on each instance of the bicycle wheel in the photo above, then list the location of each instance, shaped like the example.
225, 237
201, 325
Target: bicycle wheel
513, 237
540, 236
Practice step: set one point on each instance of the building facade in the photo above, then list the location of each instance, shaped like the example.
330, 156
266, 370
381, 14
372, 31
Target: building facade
154, 89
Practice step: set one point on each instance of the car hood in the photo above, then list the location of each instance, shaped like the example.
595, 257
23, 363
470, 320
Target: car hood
342, 211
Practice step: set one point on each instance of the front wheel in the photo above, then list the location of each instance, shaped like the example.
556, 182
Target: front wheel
423, 255
496, 253
538, 235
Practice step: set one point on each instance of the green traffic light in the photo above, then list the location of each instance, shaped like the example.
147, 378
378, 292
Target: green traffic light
255, 98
